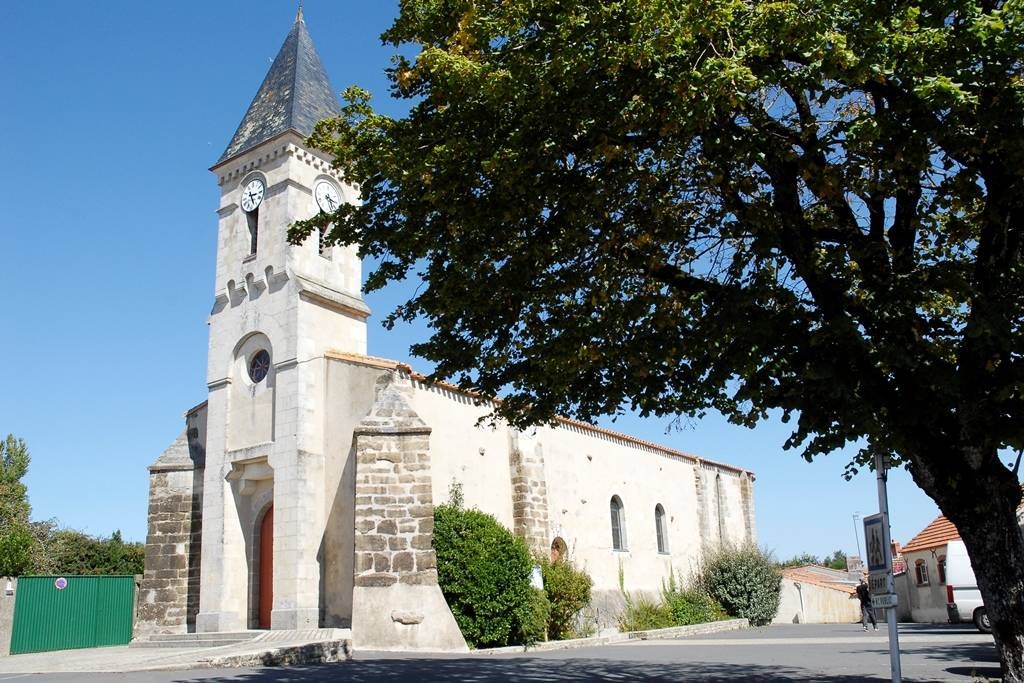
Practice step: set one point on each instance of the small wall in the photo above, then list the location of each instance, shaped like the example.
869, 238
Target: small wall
806, 603
6, 613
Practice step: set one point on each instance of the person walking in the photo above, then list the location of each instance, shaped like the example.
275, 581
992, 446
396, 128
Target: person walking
866, 611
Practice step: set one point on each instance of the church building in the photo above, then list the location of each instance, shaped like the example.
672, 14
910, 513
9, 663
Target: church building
300, 494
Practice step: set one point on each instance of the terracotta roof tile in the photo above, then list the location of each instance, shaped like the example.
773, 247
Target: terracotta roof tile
940, 532
821, 576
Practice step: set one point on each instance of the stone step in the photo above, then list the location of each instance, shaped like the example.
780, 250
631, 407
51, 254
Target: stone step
166, 640
187, 644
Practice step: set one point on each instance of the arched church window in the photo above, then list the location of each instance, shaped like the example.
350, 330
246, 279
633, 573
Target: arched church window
259, 366
661, 528
618, 516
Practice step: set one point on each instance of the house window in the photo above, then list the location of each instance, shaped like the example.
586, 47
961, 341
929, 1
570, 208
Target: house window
618, 524
660, 528
921, 573
942, 568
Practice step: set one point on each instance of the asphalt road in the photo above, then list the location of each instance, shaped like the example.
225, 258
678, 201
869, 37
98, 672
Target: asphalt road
776, 653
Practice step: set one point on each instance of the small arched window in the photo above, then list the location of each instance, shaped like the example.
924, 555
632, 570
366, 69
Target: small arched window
921, 573
618, 515
661, 528
942, 568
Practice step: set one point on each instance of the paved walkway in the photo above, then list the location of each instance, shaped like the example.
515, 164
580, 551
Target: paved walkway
264, 650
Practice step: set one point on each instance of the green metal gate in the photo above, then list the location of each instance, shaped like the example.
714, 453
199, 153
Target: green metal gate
60, 613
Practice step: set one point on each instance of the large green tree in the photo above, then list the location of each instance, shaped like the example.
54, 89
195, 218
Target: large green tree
807, 207
16, 541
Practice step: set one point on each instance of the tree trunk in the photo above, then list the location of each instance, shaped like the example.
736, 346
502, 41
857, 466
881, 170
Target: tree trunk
982, 503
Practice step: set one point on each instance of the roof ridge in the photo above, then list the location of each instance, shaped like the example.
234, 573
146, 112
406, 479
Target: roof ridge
387, 363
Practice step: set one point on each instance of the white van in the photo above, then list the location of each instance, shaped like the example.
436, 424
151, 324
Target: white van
963, 599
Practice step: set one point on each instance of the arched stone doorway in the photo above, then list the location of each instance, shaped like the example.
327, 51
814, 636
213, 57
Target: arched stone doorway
266, 568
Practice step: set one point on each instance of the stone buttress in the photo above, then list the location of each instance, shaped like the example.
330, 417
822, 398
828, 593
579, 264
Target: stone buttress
169, 594
397, 602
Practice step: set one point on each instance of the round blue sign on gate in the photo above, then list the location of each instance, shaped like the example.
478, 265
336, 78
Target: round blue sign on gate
60, 584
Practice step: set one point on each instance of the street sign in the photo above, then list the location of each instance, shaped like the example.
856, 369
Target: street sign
878, 584
884, 601
874, 542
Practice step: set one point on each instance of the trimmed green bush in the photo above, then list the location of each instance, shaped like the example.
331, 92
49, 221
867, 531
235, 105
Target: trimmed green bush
568, 591
484, 573
744, 580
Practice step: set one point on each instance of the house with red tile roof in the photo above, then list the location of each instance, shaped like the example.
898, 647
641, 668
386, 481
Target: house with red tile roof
812, 594
925, 578
924, 583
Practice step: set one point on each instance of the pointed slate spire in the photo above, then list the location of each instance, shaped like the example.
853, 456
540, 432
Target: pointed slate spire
295, 94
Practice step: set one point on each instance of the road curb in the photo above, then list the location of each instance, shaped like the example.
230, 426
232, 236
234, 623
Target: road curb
654, 634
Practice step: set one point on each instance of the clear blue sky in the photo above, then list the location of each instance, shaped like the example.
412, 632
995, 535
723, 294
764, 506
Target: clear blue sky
112, 114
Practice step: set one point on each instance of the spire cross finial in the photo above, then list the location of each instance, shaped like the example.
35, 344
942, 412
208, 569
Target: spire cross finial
298, 15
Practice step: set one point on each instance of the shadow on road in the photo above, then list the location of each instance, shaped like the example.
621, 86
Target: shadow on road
476, 670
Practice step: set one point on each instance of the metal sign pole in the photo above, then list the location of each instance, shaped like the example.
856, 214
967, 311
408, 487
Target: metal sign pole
890, 613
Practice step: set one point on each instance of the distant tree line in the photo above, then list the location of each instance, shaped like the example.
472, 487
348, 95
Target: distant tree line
43, 547
837, 560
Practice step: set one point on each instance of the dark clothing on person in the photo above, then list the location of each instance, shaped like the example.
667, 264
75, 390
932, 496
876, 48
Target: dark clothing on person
866, 612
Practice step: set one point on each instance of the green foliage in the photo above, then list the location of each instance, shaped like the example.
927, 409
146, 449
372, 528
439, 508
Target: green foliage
801, 560
14, 461
66, 551
42, 547
744, 580
643, 613
837, 560
536, 618
810, 209
484, 573
691, 605
568, 592
15, 550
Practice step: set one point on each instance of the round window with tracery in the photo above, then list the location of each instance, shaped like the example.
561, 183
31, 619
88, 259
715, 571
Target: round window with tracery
259, 366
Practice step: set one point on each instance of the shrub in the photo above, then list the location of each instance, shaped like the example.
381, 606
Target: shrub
744, 580
691, 605
535, 619
568, 592
484, 573
644, 614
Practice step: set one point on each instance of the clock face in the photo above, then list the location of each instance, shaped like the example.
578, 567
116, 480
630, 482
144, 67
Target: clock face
327, 197
252, 194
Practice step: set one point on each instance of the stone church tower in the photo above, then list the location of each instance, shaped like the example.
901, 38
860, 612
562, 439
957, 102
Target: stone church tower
275, 305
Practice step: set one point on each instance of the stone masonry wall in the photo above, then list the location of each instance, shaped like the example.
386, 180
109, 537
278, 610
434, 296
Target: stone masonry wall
394, 507
529, 494
747, 496
169, 594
